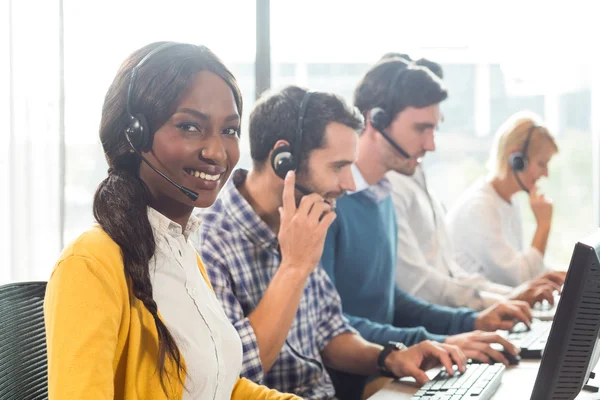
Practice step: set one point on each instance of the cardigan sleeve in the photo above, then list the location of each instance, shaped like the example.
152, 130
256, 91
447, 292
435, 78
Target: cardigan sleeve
82, 313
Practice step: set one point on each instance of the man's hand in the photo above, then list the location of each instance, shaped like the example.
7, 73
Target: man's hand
503, 316
536, 291
302, 229
476, 346
417, 359
558, 277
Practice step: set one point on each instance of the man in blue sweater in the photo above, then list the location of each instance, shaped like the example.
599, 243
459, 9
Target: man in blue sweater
400, 103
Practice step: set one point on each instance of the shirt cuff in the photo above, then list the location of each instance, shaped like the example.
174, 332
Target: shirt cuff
252, 366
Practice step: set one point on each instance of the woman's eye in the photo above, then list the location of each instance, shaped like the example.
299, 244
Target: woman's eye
189, 127
232, 131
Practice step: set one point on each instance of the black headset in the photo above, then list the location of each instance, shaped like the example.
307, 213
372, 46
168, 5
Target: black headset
287, 158
137, 131
518, 160
381, 119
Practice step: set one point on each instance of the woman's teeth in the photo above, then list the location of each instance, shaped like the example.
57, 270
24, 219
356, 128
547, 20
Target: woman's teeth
203, 175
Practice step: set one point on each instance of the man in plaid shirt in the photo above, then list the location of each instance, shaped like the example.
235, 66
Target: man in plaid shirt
262, 240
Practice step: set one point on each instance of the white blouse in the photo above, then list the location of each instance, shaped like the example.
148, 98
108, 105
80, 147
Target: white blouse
488, 237
209, 343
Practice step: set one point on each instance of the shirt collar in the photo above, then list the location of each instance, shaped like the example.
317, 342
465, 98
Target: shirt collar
359, 180
235, 205
376, 192
164, 226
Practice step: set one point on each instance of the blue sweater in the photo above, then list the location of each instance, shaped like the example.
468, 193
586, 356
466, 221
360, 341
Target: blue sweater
360, 257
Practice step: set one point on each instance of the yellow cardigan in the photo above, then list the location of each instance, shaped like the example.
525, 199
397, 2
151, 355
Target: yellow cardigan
102, 341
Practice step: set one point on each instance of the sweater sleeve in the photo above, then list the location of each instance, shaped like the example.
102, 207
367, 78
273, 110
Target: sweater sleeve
411, 311
82, 314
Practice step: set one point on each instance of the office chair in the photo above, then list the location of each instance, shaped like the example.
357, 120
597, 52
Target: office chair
23, 363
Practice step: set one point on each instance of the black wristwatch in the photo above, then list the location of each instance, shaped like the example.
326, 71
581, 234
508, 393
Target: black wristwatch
387, 349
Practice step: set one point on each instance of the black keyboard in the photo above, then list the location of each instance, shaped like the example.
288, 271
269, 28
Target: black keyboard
479, 382
531, 342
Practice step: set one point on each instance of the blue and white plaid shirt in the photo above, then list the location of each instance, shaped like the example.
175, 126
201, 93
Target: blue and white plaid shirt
240, 253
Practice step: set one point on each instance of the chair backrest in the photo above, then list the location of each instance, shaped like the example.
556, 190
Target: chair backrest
23, 362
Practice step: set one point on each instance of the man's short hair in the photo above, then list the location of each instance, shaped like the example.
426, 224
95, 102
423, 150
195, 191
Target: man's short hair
395, 84
275, 117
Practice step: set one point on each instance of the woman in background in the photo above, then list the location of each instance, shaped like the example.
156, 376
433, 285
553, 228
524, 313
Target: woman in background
129, 311
485, 224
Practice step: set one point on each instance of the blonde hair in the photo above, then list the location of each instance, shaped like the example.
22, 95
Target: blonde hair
511, 136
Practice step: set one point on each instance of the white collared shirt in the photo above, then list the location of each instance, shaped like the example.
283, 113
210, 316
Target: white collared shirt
210, 345
488, 237
426, 267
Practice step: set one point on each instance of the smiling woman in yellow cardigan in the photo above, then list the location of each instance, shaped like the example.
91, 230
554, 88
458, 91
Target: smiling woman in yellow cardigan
129, 311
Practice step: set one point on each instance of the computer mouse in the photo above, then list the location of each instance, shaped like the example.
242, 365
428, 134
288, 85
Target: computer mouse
512, 360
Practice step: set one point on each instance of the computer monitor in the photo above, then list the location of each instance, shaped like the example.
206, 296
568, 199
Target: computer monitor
572, 350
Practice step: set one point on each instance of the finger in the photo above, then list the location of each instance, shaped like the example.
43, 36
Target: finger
318, 210
419, 375
440, 353
495, 338
478, 356
552, 284
544, 293
308, 202
326, 222
496, 355
534, 191
525, 309
516, 311
289, 197
460, 359
505, 325
444, 358
556, 277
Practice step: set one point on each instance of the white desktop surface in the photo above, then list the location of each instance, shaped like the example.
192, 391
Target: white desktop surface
517, 384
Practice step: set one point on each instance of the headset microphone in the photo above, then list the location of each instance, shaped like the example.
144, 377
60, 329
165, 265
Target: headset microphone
137, 132
380, 120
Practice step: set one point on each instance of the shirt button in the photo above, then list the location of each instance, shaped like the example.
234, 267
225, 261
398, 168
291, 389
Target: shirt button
194, 292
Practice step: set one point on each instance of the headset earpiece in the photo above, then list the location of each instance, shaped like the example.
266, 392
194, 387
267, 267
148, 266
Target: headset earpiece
379, 119
518, 161
282, 161
138, 132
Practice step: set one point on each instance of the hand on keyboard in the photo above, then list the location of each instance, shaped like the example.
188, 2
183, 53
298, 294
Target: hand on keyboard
503, 316
535, 291
480, 382
557, 277
421, 357
477, 346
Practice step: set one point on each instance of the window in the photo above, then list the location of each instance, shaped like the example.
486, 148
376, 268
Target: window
99, 36
491, 72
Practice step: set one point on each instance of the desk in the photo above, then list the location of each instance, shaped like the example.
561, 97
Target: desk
517, 384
